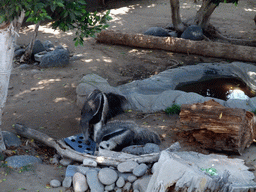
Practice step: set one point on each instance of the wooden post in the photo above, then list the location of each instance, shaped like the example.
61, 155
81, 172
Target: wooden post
217, 127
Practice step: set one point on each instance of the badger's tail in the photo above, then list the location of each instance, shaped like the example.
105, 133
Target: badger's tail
143, 136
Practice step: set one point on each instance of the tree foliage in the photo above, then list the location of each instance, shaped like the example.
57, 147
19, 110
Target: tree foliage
65, 15
217, 2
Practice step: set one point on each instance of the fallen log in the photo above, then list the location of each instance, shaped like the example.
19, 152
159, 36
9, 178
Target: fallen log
204, 48
65, 151
217, 127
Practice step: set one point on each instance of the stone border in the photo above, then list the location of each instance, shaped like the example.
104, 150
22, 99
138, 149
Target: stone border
158, 92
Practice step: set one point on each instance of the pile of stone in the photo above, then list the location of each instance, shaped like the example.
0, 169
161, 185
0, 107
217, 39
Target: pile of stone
46, 54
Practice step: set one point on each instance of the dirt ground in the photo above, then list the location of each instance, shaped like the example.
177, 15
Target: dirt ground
45, 99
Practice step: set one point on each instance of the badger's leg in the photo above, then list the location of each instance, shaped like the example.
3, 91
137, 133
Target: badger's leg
119, 141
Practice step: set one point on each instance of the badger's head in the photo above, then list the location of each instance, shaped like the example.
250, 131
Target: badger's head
94, 114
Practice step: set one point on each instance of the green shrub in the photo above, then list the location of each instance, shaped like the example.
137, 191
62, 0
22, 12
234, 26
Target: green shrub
174, 109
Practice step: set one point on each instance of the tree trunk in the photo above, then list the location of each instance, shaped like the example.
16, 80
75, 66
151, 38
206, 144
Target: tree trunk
176, 20
217, 127
8, 34
27, 55
209, 49
203, 14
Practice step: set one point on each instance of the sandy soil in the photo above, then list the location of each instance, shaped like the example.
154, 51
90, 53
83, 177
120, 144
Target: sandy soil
45, 99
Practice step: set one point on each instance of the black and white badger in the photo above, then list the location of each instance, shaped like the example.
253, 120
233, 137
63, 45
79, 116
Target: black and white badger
115, 135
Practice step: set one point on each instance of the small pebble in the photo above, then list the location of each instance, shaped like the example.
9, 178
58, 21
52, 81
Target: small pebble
107, 176
120, 182
132, 178
67, 182
127, 187
79, 182
89, 163
127, 166
110, 187
118, 190
65, 162
55, 183
140, 170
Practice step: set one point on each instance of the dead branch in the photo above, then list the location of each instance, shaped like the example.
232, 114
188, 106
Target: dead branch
66, 151
210, 49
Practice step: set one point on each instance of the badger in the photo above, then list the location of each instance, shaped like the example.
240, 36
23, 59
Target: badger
98, 109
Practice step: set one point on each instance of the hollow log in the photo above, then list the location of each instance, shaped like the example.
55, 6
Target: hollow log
65, 151
204, 48
217, 127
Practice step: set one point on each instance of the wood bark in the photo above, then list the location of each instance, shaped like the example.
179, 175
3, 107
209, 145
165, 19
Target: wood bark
65, 151
217, 127
208, 49
176, 19
204, 13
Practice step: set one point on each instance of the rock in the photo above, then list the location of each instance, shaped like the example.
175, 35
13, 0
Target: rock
54, 160
127, 166
18, 161
193, 32
120, 182
142, 183
124, 175
140, 170
71, 170
55, 183
154, 167
67, 182
79, 182
136, 190
118, 190
82, 169
173, 34
175, 168
19, 52
48, 45
157, 31
11, 139
134, 149
89, 163
107, 176
110, 187
237, 103
38, 47
25, 66
93, 181
151, 148
188, 98
127, 187
56, 58
65, 162
132, 178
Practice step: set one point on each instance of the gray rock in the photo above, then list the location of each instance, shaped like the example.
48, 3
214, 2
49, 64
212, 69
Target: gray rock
48, 45
89, 163
25, 66
107, 176
110, 187
151, 148
38, 47
140, 170
55, 183
118, 190
193, 32
127, 187
93, 181
21, 160
132, 178
82, 169
19, 52
252, 103
154, 167
127, 167
142, 183
67, 182
65, 162
120, 182
79, 182
136, 190
237, 103
188, 98
71, 170
134, 149
11, 139
157, 31
173, 34
124, 175
56, 58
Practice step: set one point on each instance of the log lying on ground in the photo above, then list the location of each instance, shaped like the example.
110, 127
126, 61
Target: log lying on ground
217, 127
65, 151
209, 49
